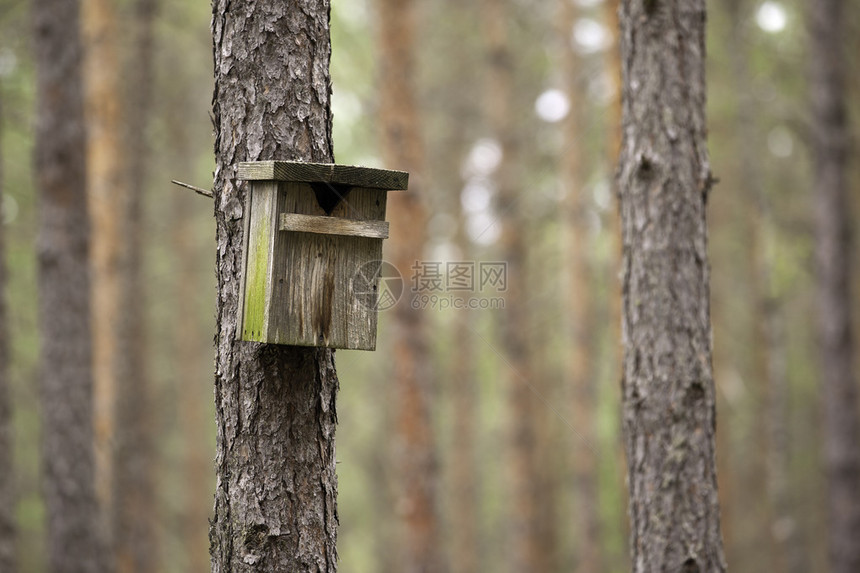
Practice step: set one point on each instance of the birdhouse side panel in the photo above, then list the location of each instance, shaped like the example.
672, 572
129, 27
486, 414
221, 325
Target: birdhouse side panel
261, 231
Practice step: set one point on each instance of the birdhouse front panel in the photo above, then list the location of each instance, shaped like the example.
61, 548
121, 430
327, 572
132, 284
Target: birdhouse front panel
311, 248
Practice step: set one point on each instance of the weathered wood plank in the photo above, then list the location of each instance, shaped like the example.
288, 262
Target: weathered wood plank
300, 172
334, 226
258, 263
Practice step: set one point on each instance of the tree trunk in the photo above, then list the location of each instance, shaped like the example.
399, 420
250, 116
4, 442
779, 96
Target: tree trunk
831, 133
668, 386
107, 195
415, 450
134, 511
525, 545
275, 499
579, 311
64, 289
7, 482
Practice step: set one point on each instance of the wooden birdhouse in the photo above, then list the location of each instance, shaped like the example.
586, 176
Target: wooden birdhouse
313, 249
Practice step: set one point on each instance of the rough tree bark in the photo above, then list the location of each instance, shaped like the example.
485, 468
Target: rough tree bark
833, 255
7, 482
64, 291
526, 542
275, 499
668, 386
579, 311
133, 511
414, 448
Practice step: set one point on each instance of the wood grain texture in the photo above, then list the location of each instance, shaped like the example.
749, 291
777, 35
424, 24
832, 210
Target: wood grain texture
334, 226
301, 172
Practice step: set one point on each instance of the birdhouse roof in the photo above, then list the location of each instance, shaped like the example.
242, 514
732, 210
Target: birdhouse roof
301, 172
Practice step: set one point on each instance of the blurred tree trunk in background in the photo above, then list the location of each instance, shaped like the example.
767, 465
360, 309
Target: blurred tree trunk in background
464, 501
580, 308
73, 524
189, 348
758, 516
107, 194
275, 502
831, 147
465, 549
193, 421
403, 148
611, 14
668, 384
769, 471
525, 542
134, 508
7, 475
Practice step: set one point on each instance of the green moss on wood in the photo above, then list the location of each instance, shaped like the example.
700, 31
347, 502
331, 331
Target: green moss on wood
256, 282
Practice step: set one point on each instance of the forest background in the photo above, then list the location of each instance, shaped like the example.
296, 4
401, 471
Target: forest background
564, 69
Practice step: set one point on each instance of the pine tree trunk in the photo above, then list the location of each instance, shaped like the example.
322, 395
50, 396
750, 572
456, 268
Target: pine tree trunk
134, 490
107, 193
668, 386
525, 544
831, 144
7, 484
275, 499
73, 523
414, 449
